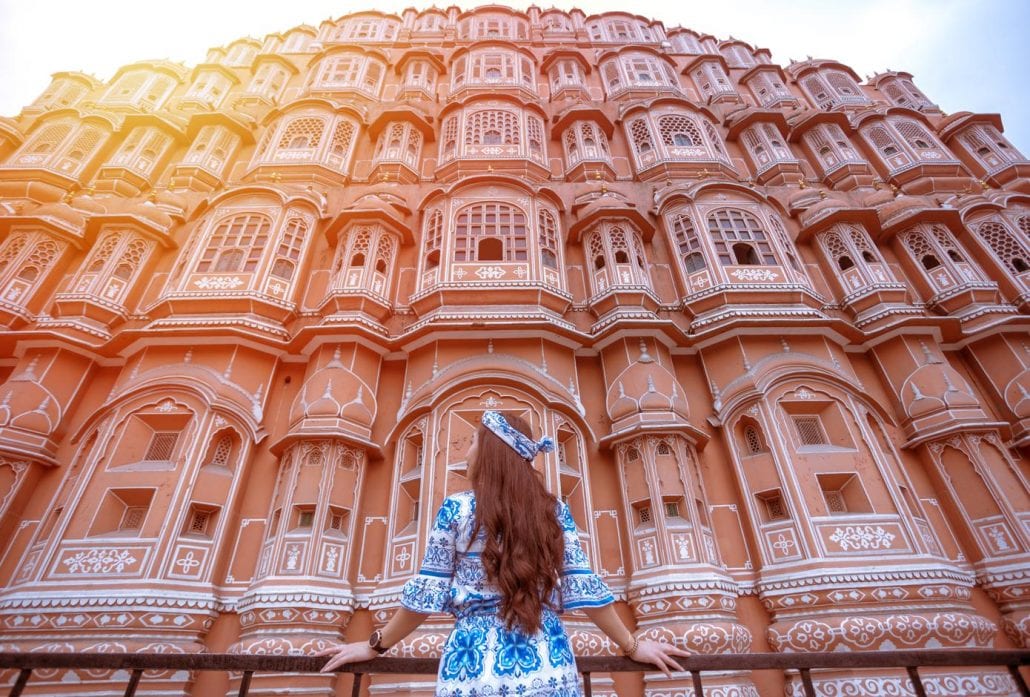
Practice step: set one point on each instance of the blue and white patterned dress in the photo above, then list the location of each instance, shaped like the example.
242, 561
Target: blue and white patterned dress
482, 658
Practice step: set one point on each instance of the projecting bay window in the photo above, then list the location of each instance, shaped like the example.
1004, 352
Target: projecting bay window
107, 277
207, 159
494, 135
637, 70
1009, 245
63, 148
490, 25
364, 261
368, 29
832, 88
400, 142
615, 258
585, 142
140, 89
493, 68
711, 80
620, 30
831, 147
902, 92
769, 152
420, 76
207, 91
863, 278
308, 139
769, 90
268, 82
904, 143
991, 150
27, 259
359, 72
949, 276
678, 140
136, 161
566, 74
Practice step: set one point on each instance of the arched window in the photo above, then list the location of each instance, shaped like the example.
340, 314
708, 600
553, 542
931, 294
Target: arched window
496, 230
945, 265
638, 70
212, 148
492, 133
548, 236
1007, 247
766, 146
753, 443
433, 239
61, 147
269, 80
769, 89
679, 131
359, 72
302, 134
26, 258
291, 243
990, 147
738, 238
853, 254
687, 242
112, 264
364, 260
615, 254
711, 80
685, 42
236, 244
585, 140
401, 142
831, 146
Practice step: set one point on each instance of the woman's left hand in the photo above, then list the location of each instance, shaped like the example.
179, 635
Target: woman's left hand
660, 654
346, 653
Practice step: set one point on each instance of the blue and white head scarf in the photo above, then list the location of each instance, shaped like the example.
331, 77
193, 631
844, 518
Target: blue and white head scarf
526, 447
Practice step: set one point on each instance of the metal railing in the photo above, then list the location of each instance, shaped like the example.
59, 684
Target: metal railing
247, 665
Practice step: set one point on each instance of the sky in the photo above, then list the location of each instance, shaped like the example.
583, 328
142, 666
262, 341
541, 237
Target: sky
966, 55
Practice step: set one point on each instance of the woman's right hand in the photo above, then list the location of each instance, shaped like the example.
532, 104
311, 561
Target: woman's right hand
660, 654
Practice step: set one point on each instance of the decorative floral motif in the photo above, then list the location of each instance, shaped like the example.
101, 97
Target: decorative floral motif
517, 654
99, 561
754, 275
218, 282
463, 658
862, 537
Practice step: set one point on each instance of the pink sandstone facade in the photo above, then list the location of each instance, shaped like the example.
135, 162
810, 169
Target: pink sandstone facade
775, 316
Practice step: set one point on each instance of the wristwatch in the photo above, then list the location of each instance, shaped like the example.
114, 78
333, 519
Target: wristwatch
376, 642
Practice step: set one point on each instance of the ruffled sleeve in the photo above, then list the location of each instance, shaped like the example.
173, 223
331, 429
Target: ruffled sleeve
580, 587
430, 589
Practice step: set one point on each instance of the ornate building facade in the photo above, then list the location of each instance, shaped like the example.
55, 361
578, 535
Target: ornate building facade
774, 316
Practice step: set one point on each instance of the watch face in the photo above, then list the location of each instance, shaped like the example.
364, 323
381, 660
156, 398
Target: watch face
375, 640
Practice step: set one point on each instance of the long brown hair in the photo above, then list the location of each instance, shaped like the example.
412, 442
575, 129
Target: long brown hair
524, 546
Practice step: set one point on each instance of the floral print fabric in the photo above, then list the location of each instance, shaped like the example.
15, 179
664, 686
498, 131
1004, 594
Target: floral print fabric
482, 658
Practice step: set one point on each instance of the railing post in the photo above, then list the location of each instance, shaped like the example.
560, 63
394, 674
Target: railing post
245, 683
588, 690
699, 690
917, 682
1020, 682
355, 690
130, 689
806, 682
19, 684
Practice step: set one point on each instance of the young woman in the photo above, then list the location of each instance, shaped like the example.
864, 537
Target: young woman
505, 559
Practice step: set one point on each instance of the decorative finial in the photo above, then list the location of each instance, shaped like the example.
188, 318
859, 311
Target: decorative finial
645, 357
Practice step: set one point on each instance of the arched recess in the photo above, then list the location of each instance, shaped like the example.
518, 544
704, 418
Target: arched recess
502, 370
432, 441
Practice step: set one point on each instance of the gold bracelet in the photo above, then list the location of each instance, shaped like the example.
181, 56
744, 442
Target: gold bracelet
633, 649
